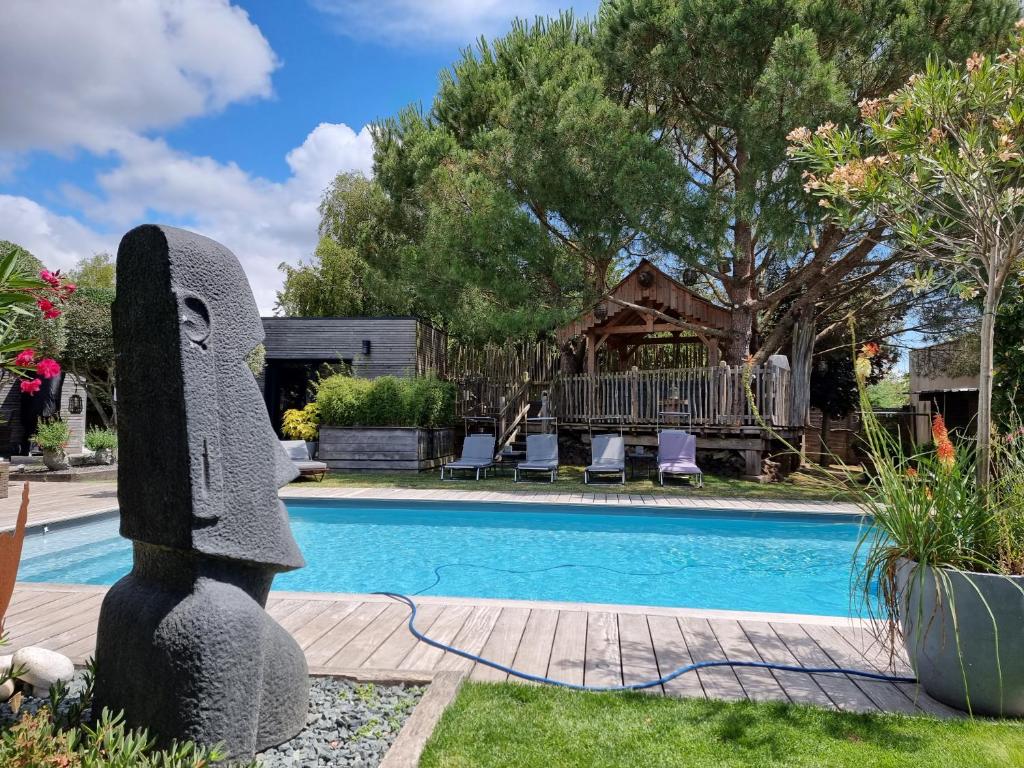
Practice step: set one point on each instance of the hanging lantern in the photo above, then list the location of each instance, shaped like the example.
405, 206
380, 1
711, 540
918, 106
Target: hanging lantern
601, 312
75, 404
690, 276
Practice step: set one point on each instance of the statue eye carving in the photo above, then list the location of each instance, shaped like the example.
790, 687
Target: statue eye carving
195, 319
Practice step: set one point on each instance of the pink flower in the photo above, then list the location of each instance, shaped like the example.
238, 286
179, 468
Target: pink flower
53, 278
69, 288
31, 386
52, 314
45, 305
48, 368
25, 358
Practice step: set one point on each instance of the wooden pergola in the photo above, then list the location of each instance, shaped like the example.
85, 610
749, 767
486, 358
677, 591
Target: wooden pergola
648, 307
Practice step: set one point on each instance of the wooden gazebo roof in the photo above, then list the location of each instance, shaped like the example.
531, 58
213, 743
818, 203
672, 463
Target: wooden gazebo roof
645, 301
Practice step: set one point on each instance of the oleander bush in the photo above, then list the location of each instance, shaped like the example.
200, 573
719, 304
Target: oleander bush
386, 402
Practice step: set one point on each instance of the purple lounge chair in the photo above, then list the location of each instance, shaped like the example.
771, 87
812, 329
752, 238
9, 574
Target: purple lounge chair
677, 455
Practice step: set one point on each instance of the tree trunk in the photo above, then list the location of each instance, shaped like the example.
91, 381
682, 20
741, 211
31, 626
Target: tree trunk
802, 358
988, 332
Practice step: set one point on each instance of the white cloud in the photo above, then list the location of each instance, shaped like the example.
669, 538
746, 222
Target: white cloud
58, 241
262, 221
411, 22
94, 74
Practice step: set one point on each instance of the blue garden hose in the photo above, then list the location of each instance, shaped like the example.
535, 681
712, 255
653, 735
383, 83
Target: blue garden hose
409, 601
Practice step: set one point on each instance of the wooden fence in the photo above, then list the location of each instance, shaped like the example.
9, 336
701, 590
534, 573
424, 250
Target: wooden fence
714, 396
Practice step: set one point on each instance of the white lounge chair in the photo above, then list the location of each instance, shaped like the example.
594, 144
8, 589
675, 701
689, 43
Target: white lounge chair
608, 457
541, 456
477, 455
677, 455
298, 452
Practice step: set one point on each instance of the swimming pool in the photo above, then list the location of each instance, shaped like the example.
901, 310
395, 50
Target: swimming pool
685, 558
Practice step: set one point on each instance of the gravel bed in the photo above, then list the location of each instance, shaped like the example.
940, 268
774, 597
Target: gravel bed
349, 724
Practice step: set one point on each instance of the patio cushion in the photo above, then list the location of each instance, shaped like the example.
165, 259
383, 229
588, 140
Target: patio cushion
608, 452
541, 451
310, 466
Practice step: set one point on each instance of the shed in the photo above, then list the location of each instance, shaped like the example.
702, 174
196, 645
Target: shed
300, 348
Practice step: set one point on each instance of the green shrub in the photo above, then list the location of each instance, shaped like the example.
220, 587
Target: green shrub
53, 435
302, 424
386, 402
97, 438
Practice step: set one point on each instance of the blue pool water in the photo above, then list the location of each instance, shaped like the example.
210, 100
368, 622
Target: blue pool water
698, 559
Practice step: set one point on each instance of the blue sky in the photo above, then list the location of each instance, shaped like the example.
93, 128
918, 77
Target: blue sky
226, 117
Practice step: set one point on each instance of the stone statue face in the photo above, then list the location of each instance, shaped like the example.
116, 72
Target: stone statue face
200, 464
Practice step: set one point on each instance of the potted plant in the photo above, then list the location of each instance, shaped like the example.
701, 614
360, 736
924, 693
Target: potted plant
53, 437
103, 442
303, 424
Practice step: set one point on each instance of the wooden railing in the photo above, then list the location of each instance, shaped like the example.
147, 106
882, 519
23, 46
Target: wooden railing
713, 396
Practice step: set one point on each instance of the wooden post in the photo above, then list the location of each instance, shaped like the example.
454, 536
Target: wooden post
634, 394
591, 353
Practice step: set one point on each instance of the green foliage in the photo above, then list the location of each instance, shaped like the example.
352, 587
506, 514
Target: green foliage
88, 351
21, 326
386, 402
96, 271
58, 736
52, 435
256, 360
302, 424
891, 393
97, 438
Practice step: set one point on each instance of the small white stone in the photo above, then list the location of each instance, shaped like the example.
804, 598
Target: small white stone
6, 690
5, 663
41, 668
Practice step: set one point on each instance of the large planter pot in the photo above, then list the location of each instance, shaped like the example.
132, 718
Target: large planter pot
964, 633
56, 459
385, 448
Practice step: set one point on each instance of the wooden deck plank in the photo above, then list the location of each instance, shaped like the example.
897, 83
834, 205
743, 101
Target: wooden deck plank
393, 651
885, 695
799, 687
843, 692
602, 662
444, 630
47, 621
335, 639
305, 613
534, 653
355, 652
319, 626
502, 644
718, 682
471, 638
868, 647
636, 647
758, 684
569, 648
22, 602
671, 653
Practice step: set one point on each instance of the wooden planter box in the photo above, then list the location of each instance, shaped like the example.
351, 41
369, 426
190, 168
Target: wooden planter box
385, 448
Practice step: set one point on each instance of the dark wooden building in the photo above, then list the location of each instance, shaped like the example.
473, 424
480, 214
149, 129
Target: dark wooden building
299, 349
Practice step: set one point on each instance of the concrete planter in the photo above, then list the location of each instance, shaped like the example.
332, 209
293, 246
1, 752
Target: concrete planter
385, 448
943, 657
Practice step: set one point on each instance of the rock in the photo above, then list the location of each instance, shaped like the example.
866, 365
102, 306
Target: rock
41, 668
5, 662
6, 690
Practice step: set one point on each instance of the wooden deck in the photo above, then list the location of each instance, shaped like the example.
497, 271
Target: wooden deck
366, 637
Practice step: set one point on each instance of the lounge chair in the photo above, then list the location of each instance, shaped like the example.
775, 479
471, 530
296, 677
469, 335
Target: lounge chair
677, 455
298, 452
477, 454
608, 456
541, 456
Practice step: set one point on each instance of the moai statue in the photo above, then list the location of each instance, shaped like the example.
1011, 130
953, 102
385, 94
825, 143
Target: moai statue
184, 644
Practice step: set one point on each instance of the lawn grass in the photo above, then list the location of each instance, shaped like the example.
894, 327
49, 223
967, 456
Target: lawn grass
504, 725
571, 481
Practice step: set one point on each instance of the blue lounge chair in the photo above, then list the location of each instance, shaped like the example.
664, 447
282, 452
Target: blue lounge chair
541, 456
477, 455
608, 456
